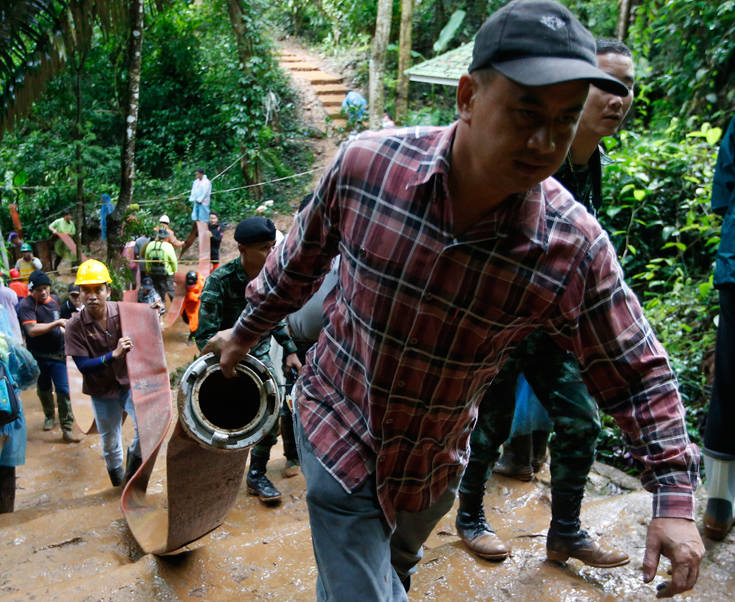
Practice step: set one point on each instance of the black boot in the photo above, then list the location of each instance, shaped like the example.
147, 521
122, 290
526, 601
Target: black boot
474, 530
566, 539
132, 464
539, 439
116, 476
516, 459
259, 484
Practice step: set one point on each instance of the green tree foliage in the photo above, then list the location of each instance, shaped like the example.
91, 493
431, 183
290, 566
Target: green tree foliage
196, 108
687, 51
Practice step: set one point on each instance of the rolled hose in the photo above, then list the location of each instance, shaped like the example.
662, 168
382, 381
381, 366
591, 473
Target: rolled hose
205, 459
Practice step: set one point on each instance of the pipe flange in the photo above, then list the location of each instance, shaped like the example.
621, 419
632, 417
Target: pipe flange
228, 414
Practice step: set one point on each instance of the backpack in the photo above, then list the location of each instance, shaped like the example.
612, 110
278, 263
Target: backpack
156, 257
9, 404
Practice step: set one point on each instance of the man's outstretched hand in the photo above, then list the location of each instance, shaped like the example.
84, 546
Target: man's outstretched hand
230, 350
678, 540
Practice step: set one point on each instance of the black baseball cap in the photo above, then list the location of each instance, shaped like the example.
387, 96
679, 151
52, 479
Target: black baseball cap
539, 43
255, 229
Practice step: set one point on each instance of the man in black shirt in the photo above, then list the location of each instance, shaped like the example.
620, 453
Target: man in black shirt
40, 316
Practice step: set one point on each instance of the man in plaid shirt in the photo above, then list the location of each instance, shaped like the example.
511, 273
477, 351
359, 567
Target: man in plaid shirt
456, 245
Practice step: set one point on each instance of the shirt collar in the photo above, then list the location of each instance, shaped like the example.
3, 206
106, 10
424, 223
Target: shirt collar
437, 160
525, 211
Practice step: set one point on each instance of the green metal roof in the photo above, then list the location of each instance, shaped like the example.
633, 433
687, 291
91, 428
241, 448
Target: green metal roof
444, 69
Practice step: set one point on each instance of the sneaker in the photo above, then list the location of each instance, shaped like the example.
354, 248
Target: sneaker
48, 424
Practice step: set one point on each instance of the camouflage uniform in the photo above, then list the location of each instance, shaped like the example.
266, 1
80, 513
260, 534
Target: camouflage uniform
554, 376
222, 302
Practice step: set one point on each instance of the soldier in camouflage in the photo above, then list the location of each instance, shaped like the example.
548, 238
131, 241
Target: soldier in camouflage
553, 373
222, 301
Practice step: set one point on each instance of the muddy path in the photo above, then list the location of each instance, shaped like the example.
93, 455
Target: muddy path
67, 539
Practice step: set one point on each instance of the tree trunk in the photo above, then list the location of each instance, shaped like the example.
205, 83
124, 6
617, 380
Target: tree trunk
624, 7
79, 205
127, 163
404, 60
250, 171
377, 63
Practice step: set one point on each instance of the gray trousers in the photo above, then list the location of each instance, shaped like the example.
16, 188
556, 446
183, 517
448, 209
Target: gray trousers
358, 556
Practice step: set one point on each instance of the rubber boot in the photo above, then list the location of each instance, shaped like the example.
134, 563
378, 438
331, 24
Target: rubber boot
259, 484
132, 464
49, 410
516, 459
116, 476
539, 441
474, 530
718, 517
566, 539
7, 489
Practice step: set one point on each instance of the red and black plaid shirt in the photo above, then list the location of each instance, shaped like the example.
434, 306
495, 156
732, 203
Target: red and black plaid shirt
422, 320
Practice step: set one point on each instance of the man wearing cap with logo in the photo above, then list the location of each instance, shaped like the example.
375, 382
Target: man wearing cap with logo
40, 317
27, 263
96, 342
455, 245
221, 302
73, 303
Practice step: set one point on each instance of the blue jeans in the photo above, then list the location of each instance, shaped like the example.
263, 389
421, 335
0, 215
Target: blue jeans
52, 370
357, 554
108, 414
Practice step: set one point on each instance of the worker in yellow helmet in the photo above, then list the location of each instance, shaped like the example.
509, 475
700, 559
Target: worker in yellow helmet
95, 340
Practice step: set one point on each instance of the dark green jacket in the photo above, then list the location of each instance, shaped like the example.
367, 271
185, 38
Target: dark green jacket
222, 302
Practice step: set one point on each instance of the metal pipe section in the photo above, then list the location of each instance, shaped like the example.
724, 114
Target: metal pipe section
228, 414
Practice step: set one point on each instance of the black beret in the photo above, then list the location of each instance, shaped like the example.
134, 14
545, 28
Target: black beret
254, 230
38, 278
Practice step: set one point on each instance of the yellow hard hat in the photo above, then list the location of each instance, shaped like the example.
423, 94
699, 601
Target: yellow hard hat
92, 272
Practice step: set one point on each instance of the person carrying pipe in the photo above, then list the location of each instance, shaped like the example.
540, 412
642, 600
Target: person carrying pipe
94, 339
456, 244
222, 301
63, 225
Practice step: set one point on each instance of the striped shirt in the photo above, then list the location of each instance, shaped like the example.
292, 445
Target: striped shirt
421, 321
